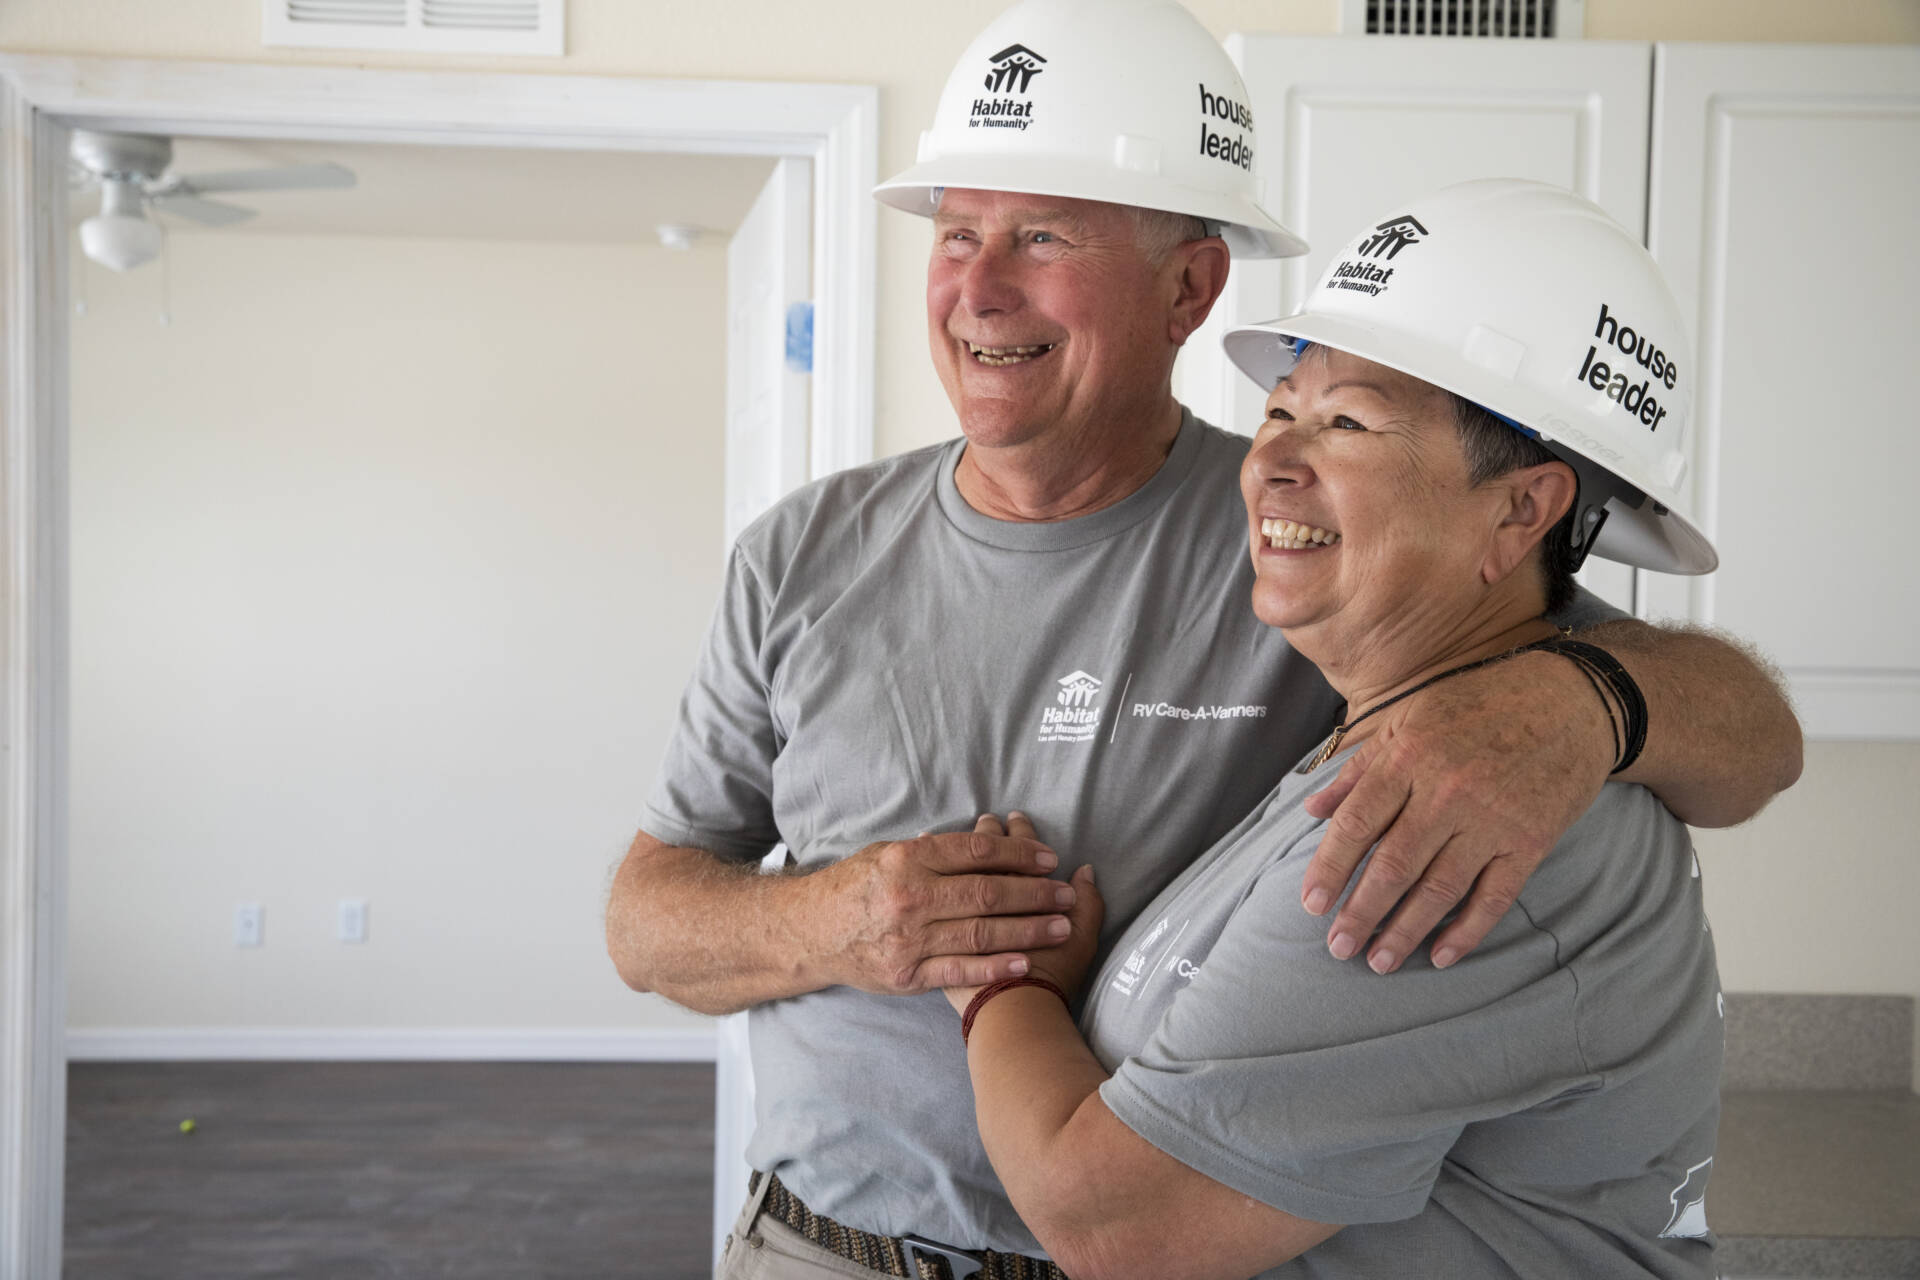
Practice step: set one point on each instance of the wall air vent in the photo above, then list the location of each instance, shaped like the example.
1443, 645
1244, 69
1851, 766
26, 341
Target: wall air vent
420, 26
1494, 19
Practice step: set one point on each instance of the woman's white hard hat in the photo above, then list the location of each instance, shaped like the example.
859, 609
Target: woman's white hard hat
1126, 101
1529, 300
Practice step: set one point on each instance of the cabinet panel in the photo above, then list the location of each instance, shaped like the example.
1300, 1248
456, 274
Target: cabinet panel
1784, 187
1352, 124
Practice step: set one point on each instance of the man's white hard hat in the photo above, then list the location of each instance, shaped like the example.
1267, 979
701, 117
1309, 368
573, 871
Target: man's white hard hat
1529, 300
1126, 101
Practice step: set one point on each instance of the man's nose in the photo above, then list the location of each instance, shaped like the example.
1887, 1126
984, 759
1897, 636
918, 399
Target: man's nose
991, 282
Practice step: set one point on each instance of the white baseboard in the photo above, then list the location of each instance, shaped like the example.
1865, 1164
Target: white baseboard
373, 1044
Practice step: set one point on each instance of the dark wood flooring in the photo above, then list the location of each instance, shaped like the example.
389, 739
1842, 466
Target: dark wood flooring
332, 1170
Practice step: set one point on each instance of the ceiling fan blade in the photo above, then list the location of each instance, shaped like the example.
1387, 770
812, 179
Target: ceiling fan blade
210, 212
291, 177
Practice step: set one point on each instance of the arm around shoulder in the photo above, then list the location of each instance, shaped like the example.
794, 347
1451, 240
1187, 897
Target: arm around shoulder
1722, 738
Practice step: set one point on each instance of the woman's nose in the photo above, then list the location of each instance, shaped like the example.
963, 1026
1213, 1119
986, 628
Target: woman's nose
1278, 458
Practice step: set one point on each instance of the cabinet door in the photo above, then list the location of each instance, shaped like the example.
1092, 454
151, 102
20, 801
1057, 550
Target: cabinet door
1784, 191
1351, 125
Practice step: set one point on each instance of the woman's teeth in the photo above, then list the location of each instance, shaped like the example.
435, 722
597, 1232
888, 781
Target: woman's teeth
1007, 355
1288, 536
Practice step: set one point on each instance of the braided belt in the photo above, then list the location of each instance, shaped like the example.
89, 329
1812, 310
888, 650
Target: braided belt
906, 1257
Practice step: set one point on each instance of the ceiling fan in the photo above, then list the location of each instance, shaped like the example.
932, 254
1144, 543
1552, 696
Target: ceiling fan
131, 170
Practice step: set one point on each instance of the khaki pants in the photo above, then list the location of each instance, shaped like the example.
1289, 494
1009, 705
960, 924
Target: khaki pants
763, 1248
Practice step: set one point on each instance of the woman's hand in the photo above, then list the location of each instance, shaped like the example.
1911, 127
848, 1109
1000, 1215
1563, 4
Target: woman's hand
1065, 965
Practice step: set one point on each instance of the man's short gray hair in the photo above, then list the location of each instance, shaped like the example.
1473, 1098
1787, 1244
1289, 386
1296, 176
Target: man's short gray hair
1159, 233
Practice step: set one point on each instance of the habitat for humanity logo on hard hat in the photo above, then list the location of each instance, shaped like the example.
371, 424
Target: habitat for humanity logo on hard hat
1386, 242
1009, 71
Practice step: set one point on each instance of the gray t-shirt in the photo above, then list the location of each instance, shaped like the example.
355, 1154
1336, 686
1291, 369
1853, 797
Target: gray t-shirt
885, 660
1545, 1107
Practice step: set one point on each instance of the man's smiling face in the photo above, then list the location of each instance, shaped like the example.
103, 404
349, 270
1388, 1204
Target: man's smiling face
1046, 319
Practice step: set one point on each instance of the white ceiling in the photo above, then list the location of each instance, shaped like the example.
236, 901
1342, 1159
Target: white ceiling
490, 193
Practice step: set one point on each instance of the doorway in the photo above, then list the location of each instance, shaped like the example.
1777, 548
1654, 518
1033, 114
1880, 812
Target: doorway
833, 127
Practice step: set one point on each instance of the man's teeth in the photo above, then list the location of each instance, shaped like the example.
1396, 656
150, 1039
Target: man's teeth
1289, 536
1007, 355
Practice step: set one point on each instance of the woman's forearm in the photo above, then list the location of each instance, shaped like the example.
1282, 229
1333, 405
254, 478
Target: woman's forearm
1032, 1075
1104, 1202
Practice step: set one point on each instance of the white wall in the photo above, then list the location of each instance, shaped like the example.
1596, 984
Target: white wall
1790, 912
1817, 893
389, 560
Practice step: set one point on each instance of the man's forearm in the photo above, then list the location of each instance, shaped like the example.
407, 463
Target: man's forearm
714, 936
897, 917
1722, 739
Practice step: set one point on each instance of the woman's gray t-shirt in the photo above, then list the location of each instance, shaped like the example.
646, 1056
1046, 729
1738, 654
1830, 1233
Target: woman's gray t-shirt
1546, 1106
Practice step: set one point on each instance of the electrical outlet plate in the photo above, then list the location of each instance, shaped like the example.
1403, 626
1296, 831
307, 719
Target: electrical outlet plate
249, 924
352, 920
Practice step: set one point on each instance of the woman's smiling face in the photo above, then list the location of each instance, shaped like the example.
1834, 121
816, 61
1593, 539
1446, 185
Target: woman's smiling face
1360, 516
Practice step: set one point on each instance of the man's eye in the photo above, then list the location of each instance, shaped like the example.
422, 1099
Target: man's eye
1342, 422
1279, 415
1044, 237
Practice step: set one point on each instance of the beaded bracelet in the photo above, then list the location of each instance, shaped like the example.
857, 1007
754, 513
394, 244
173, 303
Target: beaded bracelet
993, 989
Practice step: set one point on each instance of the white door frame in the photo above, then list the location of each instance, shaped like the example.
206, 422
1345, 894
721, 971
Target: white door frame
835, 125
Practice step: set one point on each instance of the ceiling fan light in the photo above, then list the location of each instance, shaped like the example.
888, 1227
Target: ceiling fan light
119, 242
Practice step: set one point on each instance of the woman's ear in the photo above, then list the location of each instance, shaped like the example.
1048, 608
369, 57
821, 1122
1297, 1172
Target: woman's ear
1536, 499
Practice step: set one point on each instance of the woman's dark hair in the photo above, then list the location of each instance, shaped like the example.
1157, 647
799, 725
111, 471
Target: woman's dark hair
1493, 449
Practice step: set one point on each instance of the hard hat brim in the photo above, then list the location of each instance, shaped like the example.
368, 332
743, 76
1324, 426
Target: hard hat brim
1655, 535
1249, 230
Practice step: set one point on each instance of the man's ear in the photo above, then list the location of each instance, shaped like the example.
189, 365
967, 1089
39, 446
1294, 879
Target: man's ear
1199, 272
1536, 499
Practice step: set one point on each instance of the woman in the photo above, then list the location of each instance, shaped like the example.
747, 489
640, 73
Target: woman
1243, 1103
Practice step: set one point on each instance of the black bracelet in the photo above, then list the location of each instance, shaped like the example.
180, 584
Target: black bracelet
1597, 662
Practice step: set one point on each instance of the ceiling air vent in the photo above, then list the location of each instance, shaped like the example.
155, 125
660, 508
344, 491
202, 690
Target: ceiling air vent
1494, 19
421, 26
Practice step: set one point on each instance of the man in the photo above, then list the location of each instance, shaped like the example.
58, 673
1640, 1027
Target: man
1051, 614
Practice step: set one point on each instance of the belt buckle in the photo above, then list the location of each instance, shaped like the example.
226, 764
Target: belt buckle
955, 1258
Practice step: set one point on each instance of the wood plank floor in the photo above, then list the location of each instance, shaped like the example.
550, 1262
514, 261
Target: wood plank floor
331, 1170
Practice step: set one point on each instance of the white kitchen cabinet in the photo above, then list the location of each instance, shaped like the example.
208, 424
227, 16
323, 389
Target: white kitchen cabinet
1784, 198
1779, 187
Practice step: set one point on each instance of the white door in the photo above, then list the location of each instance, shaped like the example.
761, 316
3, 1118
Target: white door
769, 345
1785, 185
769, 366
1349, 125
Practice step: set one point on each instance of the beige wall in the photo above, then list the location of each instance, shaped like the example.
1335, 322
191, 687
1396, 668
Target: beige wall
904, 48
389, 561
1817, 893
1810, 897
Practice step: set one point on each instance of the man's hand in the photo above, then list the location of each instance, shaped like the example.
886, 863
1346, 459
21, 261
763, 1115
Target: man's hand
942, 910
897, 917
1460, 795
1066, 963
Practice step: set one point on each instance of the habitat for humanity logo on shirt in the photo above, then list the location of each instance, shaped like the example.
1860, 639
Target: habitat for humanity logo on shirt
1075, 713
1078, 707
